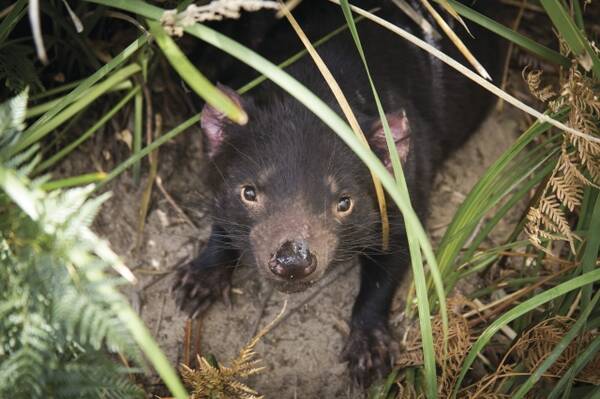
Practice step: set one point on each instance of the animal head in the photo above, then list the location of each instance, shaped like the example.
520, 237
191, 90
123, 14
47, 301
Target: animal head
289, 192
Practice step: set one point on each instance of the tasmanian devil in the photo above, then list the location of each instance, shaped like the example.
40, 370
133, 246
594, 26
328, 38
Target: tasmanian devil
292, 200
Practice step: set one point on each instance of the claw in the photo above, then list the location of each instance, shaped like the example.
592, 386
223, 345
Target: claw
226, 296
369, 353
197, 288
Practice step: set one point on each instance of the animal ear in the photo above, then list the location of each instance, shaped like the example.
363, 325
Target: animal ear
213, 122
400, 129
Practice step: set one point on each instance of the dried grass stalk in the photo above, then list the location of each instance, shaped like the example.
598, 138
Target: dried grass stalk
174, 22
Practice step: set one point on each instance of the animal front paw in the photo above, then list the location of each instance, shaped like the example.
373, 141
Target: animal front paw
370, 353
199, 287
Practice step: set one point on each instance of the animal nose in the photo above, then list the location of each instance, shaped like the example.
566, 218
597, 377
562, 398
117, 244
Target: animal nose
293, 260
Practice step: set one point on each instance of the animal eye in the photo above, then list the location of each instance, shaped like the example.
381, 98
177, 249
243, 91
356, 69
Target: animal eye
344, 205
248, 194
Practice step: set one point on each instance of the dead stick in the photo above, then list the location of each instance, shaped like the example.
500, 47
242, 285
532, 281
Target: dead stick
510, 299
187, 337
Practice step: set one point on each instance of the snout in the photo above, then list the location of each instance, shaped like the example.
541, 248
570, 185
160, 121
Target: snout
293, 261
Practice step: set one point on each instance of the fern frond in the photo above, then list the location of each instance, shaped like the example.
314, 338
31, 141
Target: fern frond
569, 192
94, 377
217, 381
58, 308
579, 162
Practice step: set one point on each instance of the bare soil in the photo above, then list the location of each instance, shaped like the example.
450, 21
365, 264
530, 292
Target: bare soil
301, 353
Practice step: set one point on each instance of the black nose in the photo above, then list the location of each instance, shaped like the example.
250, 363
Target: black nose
293, 260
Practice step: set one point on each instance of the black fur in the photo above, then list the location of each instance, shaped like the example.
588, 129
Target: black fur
300, 152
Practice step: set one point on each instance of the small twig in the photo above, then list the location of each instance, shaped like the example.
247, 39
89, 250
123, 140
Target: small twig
290, 5
527, 6
549, 258
152, 272
198, 340
172, 202
261, 312
509, 51
187, 337
153, 160
160, 315
417, 19
509, 332
7, 10
125, 17
573, 307
160, 276
509, 299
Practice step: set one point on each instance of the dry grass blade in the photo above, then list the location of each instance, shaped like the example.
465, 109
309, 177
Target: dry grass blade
347, 110
213, 380
289, 5
418, 19
36, 29
456, 40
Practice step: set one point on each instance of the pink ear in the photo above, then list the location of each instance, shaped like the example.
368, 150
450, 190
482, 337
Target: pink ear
213, 122
400, 129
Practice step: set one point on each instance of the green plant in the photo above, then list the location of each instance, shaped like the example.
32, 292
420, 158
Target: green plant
60, 328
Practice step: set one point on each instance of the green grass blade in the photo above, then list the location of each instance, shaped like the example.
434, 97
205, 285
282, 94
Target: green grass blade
462, 223
383, 390
536, 163
509, 34
74, 181
518, 311
558, 350
138, 113
202, 86
573, 36
590, 254
394, 157
14, 16
37, 132
455, 275
76, 93
578, 14
149, 148
414, 248
593, 393
87, 134
54, 91
580, 362
45, 107
423, 308
143, 337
